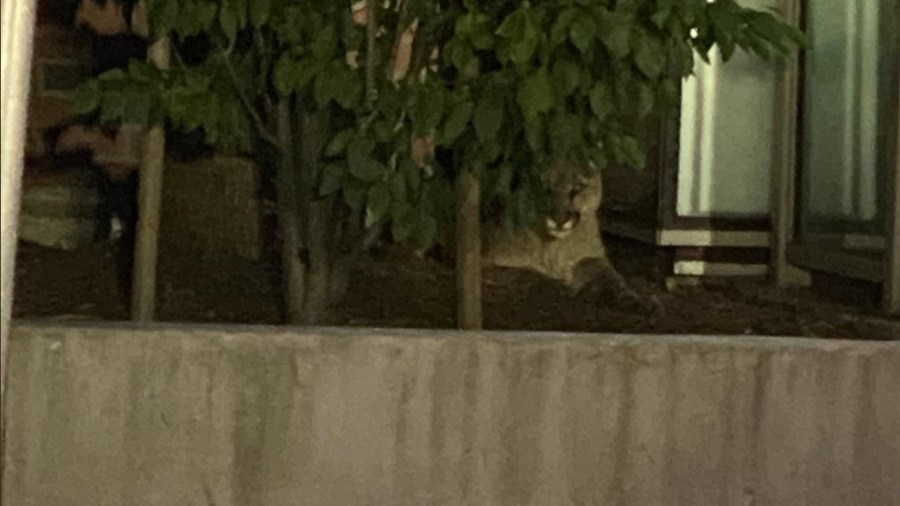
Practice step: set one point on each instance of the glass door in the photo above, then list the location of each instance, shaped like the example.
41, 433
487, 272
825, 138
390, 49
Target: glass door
848, 137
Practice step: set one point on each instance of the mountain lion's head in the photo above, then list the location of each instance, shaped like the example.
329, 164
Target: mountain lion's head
576, 196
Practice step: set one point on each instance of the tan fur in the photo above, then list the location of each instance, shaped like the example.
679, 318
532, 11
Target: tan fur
119, 153
572, 256
102, 19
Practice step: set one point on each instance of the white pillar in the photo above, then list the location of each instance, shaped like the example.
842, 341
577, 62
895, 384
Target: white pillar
16, 33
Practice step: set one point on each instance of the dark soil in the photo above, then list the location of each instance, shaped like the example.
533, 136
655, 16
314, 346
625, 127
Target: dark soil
400, 290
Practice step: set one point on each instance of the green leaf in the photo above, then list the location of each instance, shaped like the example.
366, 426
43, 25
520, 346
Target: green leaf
143, 71
645, 99
324, 88
521, 34
383, 130
259, 12
649, 56
113, 75
206, 16
566, 75
428, 110
566, 132
332, 179
627, 150
601, 100
334, 81
402, 224
359, 152
378, 202
138, 107
727, 46
536, 95
368, 171
112, 106
347, 86
582, 32
534, 135
413, 175
339, 142
525, 208
473, 27
285, 74
228, 20
661, 15
561, 26
523, 49
772, 30
468, 23
240, 9
682, 57
398, 187
457, 121
86, 97
461, 55
163, 16
426, 230
512, 26
504, 180
488, 118
615, 32
354, 195
669, 93
597, 156
325, 43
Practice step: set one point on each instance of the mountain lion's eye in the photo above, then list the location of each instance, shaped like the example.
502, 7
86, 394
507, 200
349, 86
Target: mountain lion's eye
576, 189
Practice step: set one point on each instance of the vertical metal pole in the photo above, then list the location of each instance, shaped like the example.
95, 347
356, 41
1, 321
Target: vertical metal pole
784, 164
16, 41
891, 286
146, 250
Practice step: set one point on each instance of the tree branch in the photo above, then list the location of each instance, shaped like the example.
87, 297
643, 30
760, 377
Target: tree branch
261, 47
371, 32
263, 132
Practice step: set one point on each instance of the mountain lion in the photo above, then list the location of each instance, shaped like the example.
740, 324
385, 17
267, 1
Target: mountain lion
566, 244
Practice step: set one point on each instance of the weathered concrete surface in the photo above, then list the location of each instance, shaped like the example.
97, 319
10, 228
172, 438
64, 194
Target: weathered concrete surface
253, 416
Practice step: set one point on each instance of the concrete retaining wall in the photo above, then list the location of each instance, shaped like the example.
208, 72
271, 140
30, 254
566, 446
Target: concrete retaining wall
253, 416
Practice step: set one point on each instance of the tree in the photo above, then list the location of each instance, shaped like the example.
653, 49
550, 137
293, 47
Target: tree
492, 92
522, 85
265, 78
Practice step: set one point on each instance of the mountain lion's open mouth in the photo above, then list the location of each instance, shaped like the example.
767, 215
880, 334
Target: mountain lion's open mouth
558, 230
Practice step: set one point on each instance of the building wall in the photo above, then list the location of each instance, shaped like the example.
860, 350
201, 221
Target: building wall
245, 416
61, 62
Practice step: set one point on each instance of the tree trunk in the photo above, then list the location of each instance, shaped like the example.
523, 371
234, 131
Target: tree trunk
146, 247
468, 252
293, 270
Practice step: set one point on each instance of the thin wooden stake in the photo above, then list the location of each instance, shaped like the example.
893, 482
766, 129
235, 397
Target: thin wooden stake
468, 252
293, 269
146, 250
